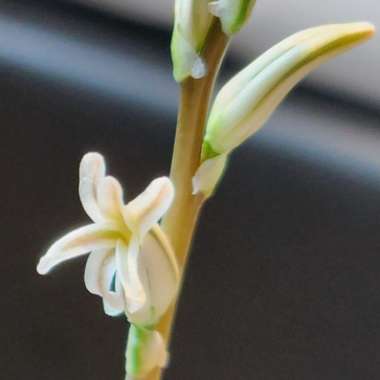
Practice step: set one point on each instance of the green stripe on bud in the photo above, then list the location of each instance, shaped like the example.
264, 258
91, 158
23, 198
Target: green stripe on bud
233, 14
191, 26
244, 104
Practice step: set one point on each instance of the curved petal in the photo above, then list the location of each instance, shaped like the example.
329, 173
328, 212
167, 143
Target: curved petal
148, 208
166, 248
157, 276
77, 243
91, 169
113, 296
110, 198
111, 311
128, 271
99, 277
92, 272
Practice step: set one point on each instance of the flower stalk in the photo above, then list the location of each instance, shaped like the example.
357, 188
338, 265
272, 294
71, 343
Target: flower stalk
180, 222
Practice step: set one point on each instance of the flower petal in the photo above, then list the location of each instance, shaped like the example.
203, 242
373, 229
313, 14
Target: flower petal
94, 265
111, 311
127, 265
91, 169
99, 276
77, 243
150, 278
110, 198
148, 208
159, 275
113, 295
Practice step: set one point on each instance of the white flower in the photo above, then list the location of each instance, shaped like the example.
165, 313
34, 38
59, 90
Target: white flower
131, 265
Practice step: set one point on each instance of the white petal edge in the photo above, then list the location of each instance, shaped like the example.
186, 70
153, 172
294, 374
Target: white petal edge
77, 243
111, 311
98, 277
110, 198
92, 272
91, 169
143, 212
127, 268
113, 301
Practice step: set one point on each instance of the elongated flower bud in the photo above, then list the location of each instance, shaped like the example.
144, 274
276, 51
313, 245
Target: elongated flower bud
191, 25
232, 13
247, 100
245, 103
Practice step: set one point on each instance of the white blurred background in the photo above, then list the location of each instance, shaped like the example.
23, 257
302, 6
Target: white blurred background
356, 74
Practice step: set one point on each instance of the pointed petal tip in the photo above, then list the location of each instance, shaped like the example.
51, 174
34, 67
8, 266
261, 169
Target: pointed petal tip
370, 28
148, 208
165, 184
43, 266
365, 25
366, 29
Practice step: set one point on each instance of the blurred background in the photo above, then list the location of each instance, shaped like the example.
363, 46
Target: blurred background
283, 282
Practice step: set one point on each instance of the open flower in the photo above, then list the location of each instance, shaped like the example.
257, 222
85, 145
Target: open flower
131, 265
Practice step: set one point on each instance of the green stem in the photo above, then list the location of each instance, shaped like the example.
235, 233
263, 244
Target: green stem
180, 223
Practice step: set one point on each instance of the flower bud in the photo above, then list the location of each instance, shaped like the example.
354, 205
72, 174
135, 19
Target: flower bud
208, 175
191, 25
244, 104
145, 351
232, 13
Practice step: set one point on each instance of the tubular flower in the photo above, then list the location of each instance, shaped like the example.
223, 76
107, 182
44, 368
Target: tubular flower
192, 21
131, 265
245, 103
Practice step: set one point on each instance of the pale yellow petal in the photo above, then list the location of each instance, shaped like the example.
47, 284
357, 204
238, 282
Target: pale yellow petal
77, 243
91, 170
110, 198
93, 269
113, 299
148, 208
127, 266
158, 275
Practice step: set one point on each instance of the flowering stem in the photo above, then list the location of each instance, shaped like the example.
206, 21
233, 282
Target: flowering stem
180, 222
